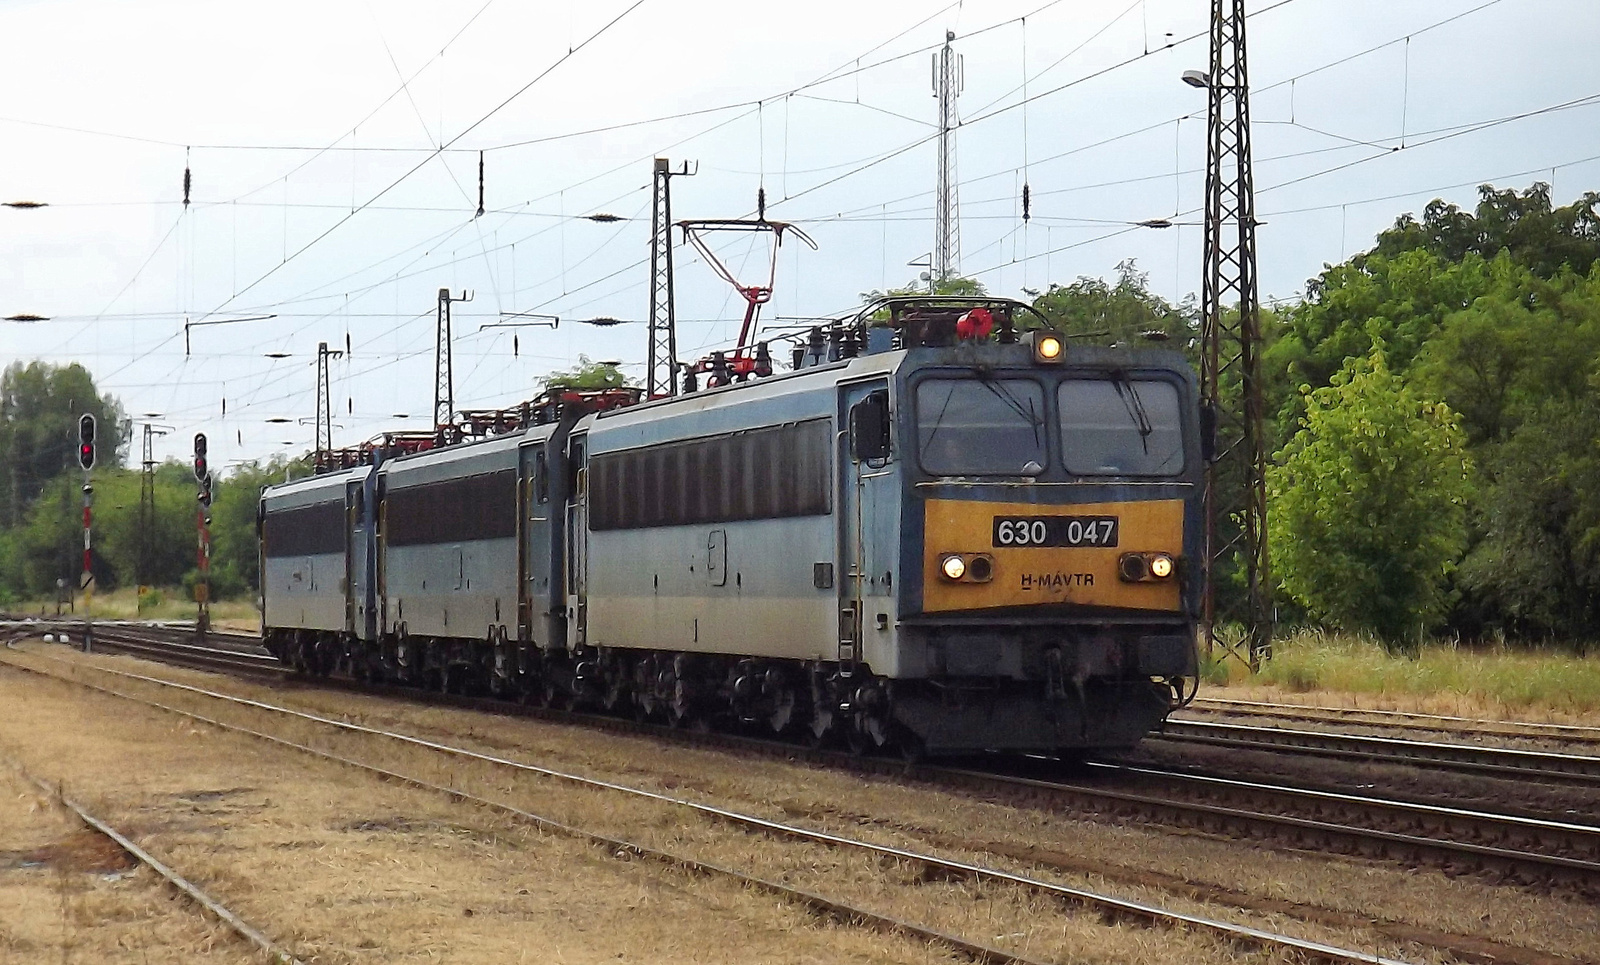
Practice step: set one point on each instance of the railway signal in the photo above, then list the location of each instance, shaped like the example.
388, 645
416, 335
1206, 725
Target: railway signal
202, 523
86, 427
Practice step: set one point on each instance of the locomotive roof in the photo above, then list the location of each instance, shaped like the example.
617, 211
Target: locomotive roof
313, 489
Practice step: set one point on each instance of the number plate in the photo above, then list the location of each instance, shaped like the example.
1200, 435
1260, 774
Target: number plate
1098, 531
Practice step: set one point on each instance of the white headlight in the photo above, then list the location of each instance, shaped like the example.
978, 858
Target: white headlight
954, 567
1161, 567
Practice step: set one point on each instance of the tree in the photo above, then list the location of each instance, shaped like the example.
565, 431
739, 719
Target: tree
39, 409
587, 374
1524, 226
1535, 570
235, 563
955, 285
1369, 504
1119, 313
47, 545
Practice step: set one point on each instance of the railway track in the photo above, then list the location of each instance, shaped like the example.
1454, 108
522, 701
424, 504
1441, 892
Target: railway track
1108, 908
1520, 849
1394, 720
272, 951
1504, 762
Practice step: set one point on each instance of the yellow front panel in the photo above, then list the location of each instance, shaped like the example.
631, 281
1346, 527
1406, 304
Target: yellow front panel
1032, 575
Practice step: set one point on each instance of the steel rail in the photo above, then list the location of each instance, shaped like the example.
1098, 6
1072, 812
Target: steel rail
1109, 907
192, 655
1496, 761
991, 784
1417, 833
1398, 719
1566, 836
274, 952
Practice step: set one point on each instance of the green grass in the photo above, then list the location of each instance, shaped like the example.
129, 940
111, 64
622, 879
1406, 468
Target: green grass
1509, 678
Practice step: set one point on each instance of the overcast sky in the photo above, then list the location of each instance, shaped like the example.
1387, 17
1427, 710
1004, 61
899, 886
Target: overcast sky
320, 195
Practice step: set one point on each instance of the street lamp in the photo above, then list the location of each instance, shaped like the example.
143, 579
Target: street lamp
924, 261
1196, 78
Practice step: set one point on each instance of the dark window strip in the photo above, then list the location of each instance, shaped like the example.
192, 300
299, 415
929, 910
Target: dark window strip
768, 473
453, 510
304, 530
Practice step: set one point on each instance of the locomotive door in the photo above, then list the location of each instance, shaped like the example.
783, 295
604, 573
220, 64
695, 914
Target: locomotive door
355, 558
380, 518
578, 541
534, 594
866, 552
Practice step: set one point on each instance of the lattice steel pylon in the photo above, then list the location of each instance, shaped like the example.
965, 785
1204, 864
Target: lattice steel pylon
145, 559
147, 502
949, 77
324, 405
444, 384
662, 363
1230, 371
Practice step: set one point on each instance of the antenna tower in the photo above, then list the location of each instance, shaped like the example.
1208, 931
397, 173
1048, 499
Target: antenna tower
1230, 371
949, 79
663, 361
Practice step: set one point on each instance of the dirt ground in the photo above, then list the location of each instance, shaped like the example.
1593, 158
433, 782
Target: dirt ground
67, 894
1269, 888
343, 868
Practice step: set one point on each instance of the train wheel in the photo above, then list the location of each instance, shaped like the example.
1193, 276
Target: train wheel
782, 715
406, 654
502, 666
555, 696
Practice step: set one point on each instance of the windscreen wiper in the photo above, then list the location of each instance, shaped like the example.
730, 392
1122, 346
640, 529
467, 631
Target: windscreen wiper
1012, 402
1129, 394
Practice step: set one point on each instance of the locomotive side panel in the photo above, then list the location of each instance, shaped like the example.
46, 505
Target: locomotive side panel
718, 542
303, 537
450, 548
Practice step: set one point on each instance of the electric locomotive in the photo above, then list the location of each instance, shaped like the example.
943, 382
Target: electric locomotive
939, 531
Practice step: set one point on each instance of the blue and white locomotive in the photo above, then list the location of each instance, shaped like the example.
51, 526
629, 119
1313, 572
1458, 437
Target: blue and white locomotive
929, 534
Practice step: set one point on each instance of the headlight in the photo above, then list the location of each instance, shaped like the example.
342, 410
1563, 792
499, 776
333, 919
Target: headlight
953, 567
1048, 347
1146, 567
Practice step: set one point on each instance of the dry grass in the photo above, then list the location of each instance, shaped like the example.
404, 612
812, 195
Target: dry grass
345, 868
174, 604
929, 820
69, 895
1489, 681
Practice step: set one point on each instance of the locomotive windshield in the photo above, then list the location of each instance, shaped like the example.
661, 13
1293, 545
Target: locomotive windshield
1121, 427
981, 426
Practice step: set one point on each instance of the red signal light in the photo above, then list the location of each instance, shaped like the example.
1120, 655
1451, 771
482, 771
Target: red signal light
86, 427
